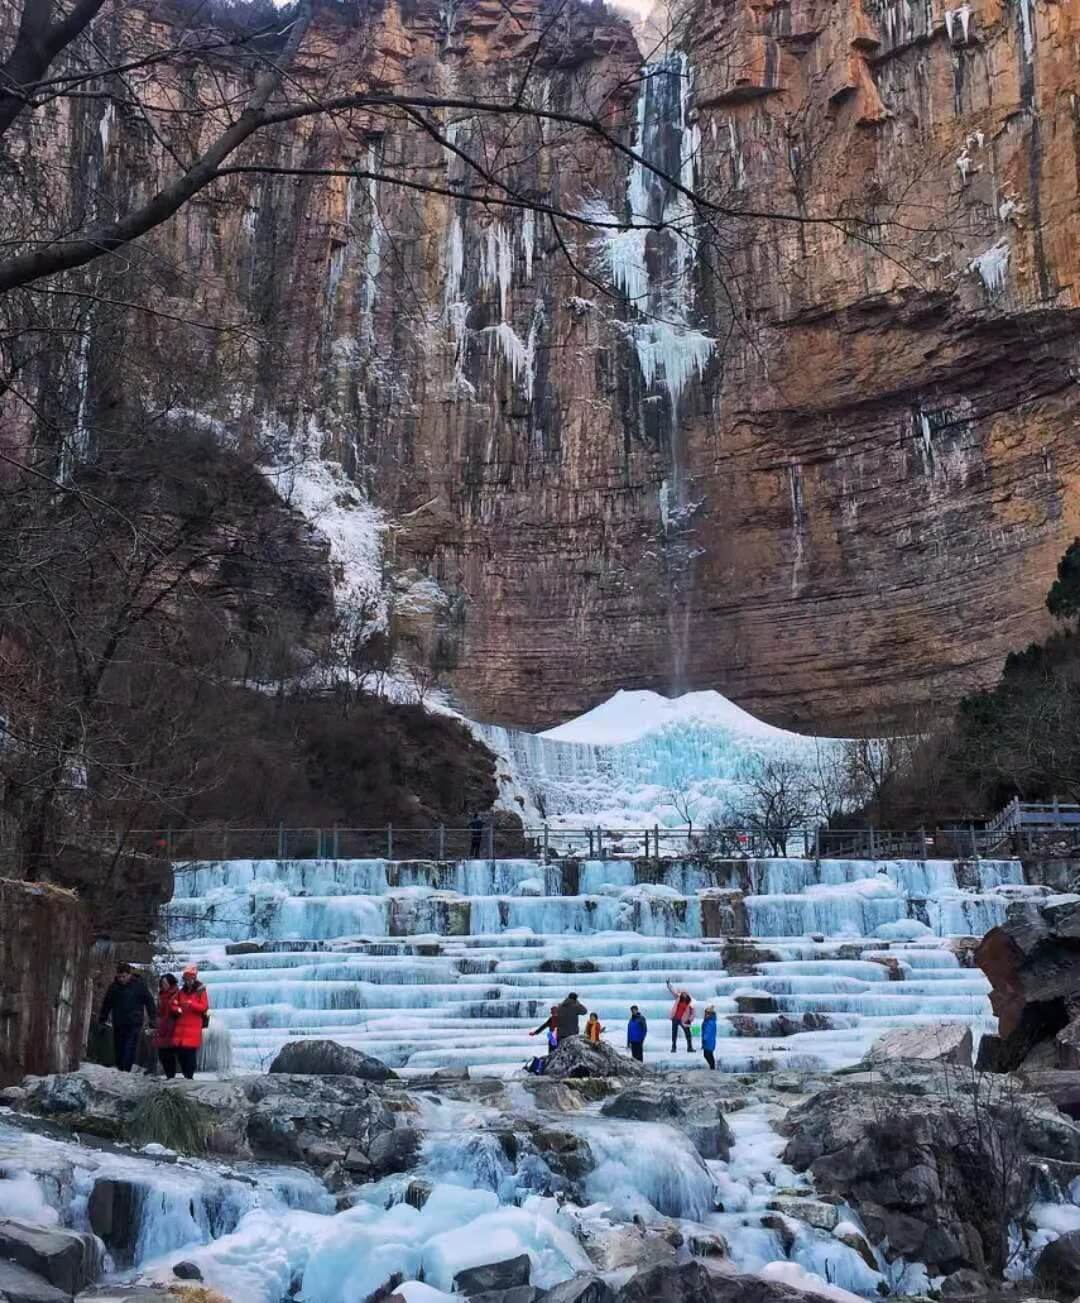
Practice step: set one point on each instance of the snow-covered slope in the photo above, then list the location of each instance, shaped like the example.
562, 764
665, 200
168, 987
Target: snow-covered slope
620, 764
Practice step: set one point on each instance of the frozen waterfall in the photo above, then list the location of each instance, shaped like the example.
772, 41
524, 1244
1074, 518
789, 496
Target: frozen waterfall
429, 965
618, 764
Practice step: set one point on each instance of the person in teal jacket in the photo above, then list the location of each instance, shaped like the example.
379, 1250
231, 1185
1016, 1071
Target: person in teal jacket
708, 1036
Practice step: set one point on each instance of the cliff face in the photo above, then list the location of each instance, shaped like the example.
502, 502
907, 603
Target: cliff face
826, 465
45, 1005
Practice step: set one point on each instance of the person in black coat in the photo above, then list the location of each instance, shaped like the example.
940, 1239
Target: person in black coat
127, 1001
476, 833
567, 1017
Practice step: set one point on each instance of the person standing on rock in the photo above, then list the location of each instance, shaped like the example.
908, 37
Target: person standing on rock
636, 1031
167, 1013
126, 1001
568, 1018
194, 1014
682, 1016
708, 1036
594, 1029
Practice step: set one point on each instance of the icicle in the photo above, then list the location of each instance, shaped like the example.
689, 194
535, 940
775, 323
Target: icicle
528, 239
105, 126
992, 267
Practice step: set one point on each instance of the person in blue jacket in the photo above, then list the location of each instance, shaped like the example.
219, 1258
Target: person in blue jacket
636, 1031
708, 1036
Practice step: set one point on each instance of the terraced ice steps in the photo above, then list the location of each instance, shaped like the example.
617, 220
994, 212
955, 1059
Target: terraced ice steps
430, 965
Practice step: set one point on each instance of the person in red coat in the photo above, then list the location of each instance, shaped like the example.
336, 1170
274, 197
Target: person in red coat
167, 1013
194, 1013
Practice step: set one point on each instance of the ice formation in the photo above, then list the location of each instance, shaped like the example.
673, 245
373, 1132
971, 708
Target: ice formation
431, 965
992, 267
334, 505
649, 260
618, 764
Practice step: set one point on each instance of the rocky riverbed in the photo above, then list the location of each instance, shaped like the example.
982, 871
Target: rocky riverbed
910, 1177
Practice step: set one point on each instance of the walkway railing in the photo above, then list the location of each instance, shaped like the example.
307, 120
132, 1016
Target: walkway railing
542, 842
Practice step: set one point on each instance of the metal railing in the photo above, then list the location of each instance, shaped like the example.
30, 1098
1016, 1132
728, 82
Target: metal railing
443, 842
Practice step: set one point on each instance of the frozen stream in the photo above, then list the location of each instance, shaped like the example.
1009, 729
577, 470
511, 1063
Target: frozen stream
261, 1235
431, 965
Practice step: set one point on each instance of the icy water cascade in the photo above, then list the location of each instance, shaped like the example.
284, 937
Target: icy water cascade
431, 965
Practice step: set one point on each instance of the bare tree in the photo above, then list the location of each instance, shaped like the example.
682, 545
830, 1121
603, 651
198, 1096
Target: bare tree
685, 805
119, 606
778, 801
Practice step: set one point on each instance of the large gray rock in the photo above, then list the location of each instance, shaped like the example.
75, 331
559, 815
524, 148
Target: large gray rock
18, 1285
577, 1057
937, 1165
328, 1059
494, 1276
937, 1042
618, 1247
582, 1288
69, 1260
1058, 1268
1060, 1087
1033, 963
693, 1283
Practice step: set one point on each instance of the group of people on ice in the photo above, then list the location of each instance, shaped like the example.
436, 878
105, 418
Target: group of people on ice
178, 1018
564, 1021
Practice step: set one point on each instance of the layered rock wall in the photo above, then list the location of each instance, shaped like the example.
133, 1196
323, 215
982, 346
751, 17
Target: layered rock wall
45, 994
822, 458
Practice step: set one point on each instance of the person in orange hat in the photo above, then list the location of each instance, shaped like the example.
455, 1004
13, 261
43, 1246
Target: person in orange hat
194, 1005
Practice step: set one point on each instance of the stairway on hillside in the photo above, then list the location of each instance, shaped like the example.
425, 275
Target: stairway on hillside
430, 965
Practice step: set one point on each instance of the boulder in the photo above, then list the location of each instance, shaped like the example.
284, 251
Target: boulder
186, 1271
1033, 963
577, 1057
963, 1284
615, 1248
644, 1104
494, 1276
822, 1216
394, 1151
328, 1059
937, 1042
929, 1167
18, 1285
582, 1288
1058, 1268
1062, 1088
694, 1283
69, 1260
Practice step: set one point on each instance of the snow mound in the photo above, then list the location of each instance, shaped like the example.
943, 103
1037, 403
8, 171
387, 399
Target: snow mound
629, 715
